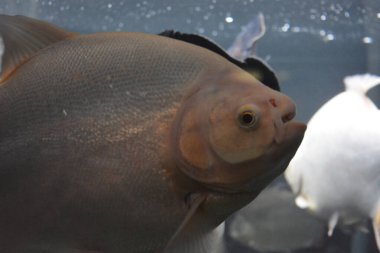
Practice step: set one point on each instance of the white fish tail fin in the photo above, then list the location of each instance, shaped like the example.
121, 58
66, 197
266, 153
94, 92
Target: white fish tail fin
376, 226
361, 83
333, 221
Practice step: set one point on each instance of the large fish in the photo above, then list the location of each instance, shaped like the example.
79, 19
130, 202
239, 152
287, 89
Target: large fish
129, 142
336, 171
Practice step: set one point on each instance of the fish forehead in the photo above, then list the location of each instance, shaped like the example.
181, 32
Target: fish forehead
239, 88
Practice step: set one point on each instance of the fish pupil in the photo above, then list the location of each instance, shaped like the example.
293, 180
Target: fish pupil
247, 118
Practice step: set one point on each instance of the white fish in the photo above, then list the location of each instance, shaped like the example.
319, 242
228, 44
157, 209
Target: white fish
336, 170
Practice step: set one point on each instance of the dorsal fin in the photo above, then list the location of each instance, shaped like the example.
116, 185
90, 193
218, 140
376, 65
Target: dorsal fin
21, 38
254, 66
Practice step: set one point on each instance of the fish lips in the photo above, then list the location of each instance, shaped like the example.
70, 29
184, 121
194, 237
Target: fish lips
292, 133
287, 140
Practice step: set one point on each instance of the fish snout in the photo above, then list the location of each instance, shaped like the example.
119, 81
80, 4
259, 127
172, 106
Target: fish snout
285, 106
285, 111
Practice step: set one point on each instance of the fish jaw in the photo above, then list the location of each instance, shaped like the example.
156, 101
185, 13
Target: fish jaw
278, 156
257, 173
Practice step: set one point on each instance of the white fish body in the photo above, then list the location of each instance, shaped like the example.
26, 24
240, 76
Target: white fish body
336, 170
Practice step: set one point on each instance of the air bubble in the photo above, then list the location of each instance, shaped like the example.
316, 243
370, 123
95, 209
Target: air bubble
367, 40
229, 19
296, 29
330, 37
285, 27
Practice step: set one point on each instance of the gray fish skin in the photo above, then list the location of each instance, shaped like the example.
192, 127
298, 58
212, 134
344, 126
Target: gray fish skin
97, 141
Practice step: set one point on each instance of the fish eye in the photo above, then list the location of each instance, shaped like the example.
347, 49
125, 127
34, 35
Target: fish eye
248, 116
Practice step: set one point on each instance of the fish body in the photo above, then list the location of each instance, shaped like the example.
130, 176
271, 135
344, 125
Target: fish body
129, 142
336, 171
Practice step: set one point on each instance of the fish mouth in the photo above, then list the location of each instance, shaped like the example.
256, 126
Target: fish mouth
290, 134
283, 149
282, 124
278, 155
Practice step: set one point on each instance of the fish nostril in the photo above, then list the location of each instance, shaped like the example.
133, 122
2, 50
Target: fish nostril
285, 106
288, 117
273, 102
288, 109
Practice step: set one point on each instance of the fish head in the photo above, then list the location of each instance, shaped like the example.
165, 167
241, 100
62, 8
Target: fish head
234, 134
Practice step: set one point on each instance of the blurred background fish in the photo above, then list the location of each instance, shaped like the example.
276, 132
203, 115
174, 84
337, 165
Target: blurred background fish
336, 171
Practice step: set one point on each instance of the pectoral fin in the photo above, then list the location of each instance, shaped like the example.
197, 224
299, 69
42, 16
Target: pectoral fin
21, 37
185, 227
